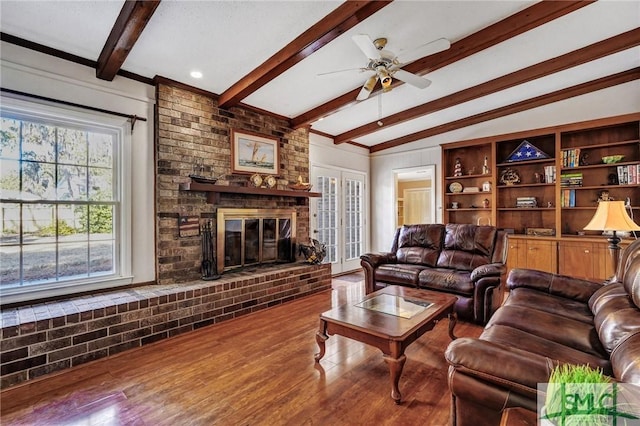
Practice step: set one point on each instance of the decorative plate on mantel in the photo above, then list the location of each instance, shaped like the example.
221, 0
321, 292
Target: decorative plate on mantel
256, 180
270, 181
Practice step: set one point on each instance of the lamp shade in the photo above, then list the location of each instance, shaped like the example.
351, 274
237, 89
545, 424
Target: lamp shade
611, 216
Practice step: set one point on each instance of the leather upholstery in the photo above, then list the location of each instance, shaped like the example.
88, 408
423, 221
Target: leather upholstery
465, 260
419, 244
467, 247
547, 320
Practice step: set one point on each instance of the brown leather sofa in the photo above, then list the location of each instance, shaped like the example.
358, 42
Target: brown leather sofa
465, 260
546, 320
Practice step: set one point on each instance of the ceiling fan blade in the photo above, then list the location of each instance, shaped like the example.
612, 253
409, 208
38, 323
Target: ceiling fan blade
421, 51
365, 44
412, 79
367, 88
322, 74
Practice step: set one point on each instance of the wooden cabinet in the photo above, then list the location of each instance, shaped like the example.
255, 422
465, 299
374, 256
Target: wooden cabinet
541, 255
553, 194
582, 259
516, 254
532, 253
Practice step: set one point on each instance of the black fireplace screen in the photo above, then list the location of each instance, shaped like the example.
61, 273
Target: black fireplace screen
252, 237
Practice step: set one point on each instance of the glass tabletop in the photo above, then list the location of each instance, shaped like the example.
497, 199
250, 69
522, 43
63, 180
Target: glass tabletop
399, 306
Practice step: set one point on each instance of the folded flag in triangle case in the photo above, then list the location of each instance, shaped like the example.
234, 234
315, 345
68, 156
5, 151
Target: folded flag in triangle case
526, 151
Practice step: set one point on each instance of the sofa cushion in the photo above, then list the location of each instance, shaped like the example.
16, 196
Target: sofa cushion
420, 244
398, 273
446, 279
556, 328
467, 246
516, 338
529, 298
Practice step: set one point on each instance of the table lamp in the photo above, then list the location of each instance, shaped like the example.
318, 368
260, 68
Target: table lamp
612, 216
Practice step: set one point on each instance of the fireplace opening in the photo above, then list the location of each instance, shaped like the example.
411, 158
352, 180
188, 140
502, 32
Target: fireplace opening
254, 236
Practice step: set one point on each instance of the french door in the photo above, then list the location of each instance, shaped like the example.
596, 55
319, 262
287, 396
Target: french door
338, 216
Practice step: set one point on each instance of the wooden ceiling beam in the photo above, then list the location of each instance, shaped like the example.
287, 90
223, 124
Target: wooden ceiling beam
131, 21
592, 52
558, 95
343, 18
516, 24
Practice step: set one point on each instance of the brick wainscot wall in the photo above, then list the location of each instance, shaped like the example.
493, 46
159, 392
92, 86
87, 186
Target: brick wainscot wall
190, 129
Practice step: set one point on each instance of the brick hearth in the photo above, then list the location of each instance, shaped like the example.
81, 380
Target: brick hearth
44, 338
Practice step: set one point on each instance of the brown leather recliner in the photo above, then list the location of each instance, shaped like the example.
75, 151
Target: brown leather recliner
547, 320
465, 260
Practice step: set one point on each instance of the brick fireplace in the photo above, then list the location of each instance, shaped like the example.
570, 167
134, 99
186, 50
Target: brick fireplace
193, 130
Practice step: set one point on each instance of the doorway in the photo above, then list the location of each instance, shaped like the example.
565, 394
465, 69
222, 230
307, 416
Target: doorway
415, 195
338, 216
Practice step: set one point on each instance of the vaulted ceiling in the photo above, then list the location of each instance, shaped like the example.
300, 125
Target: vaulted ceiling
505, 56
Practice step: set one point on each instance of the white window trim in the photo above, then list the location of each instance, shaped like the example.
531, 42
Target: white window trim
64, 114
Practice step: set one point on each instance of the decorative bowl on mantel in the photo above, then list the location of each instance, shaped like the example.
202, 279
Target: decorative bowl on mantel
611, 159
300, 186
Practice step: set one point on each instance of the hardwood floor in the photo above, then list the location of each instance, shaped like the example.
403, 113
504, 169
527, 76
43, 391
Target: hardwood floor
254, 370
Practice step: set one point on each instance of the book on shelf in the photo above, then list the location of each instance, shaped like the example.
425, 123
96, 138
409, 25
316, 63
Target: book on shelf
550, 174
571, 179
629, 175
568, 198
526, 202
571, 157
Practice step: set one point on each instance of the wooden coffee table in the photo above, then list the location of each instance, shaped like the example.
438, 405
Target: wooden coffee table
389, 319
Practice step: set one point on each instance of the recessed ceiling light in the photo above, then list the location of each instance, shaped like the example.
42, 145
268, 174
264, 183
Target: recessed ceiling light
196, 74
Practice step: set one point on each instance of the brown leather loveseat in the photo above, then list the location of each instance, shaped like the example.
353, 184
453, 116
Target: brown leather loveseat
546, 320
465, 260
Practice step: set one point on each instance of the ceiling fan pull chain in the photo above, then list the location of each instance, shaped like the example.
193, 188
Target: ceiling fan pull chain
380, 109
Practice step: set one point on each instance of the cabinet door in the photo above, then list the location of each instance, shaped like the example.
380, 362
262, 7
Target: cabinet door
578, 259
517, 254
541, 255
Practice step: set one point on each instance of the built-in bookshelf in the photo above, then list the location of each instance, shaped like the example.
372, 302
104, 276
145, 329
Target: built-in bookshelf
551, 191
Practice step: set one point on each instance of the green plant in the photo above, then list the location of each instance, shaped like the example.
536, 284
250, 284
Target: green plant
50, 230
575, 396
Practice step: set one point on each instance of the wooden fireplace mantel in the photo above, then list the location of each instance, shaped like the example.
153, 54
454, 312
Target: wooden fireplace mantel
213, 191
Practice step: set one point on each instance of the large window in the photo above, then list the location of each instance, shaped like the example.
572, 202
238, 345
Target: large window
62, 209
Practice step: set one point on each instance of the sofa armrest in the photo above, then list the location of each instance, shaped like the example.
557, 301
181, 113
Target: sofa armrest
557, 285
371, 261
503, 366
488, 270
377, 259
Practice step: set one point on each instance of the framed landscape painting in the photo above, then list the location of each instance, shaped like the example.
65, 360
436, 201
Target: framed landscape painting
254, 153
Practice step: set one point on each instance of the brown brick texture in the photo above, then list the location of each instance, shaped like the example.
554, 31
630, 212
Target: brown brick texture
191, 129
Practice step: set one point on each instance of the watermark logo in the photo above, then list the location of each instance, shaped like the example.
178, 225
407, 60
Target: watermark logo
589, 404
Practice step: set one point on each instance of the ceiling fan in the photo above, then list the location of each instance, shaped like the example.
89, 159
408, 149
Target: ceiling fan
386, 65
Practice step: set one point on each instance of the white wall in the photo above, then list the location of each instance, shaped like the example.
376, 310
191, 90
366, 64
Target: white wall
617, 100
35, 73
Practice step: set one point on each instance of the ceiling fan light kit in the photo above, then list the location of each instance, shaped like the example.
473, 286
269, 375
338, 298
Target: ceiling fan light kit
387, 65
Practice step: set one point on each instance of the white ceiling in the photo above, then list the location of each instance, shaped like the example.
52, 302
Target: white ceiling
226, 40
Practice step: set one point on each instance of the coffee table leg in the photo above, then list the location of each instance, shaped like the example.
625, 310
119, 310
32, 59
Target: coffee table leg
453, 320
395, 370
321, 337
